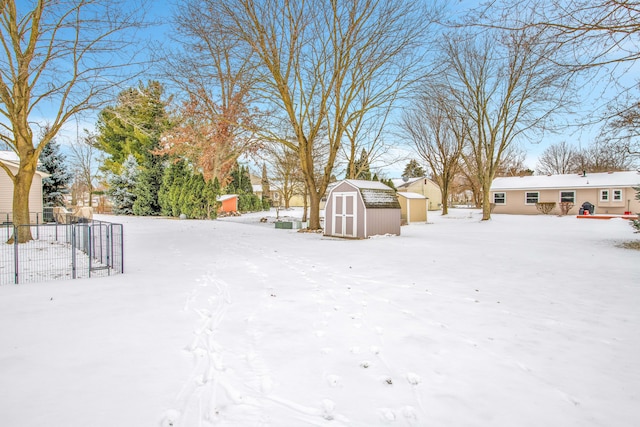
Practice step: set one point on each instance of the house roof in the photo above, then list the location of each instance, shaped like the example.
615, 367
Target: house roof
375, 194
400, 182
224, 197
568, 181
409, 195
11, 159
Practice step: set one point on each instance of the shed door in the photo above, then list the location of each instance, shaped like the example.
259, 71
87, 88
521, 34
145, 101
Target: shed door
344, 217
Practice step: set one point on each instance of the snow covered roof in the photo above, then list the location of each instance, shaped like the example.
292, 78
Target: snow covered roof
10, 156
400, 182
372, 185
410, 195
226, 197
589, 180
375, 194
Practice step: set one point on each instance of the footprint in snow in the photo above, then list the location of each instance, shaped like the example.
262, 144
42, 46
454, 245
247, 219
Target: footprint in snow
333, 380
386, 415
409, 413
328, 406
170, 418
413, 379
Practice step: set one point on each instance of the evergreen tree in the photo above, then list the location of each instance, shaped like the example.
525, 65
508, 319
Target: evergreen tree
122, 187
362, 169
149, 183
56, 185
240, 181
266, 191
210, 198
172, 181
413, 170
134, 127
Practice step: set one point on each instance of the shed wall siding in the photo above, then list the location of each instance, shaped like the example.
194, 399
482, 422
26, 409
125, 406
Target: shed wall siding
6, 193
383, 221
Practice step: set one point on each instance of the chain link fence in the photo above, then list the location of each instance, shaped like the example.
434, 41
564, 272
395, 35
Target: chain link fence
80, 249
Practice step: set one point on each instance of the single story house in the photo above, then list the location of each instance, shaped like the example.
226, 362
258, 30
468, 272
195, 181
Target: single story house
10, 160
413, 207
610, 192
425, 186
360, 209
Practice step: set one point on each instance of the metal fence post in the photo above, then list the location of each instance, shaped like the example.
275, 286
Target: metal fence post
16, 263
73, 252
90, 246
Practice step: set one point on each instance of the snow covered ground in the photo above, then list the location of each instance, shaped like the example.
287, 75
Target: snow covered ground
518, 321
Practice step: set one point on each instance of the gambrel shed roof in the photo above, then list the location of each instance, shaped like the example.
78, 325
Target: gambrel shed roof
376, 194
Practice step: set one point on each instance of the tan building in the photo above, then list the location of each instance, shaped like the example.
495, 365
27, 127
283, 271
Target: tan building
425, 186
413, 207
6, 190
610, 193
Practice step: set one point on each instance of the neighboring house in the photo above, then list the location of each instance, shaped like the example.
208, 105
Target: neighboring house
413, 207
609, 192
6, 189
425, 186
361, 209
228, 203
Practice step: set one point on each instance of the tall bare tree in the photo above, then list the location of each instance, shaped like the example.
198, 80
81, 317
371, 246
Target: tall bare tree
83, 159
435, 128
58, 58
506, 86
558, 159
214, 69
315, 60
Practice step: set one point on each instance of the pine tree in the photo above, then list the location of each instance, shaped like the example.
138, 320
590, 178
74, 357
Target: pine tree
362, 169
266, 191
149, 183
413, 170
56, 185
122, 187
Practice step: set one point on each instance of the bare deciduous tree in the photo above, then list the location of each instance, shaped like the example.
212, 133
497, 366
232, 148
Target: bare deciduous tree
322, 66
215, 72
558, 159
59, 57
506, 87
83, 160
435, 128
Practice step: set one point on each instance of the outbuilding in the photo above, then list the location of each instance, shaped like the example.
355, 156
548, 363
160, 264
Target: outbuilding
228, 203
12, 162
360, 209
413, 207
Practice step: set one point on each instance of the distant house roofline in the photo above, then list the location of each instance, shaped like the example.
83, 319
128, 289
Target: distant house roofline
588, 180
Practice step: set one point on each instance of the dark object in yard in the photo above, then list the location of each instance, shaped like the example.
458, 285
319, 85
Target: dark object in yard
586, 209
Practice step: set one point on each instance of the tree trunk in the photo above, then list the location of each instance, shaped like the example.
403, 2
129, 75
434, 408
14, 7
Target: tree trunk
21, 189
445, 200
314, 209
486, 200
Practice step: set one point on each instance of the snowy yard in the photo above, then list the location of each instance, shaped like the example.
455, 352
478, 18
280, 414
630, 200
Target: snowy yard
518, 321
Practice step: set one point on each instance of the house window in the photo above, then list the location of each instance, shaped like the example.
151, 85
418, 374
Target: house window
568, 196
532, 197
500, 198
617, 195
604, 195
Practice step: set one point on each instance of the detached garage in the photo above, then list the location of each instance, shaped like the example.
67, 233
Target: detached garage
360, 209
